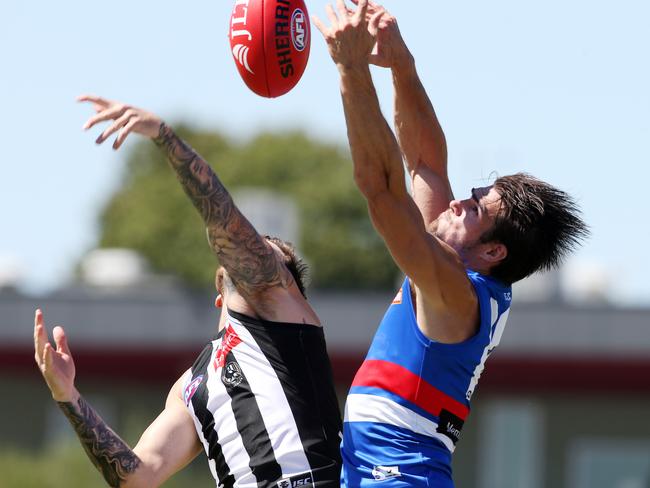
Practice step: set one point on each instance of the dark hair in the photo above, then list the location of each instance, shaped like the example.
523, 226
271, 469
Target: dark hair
538, 224
293, 262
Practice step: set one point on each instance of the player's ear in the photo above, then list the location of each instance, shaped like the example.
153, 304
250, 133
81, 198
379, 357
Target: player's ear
218, 302
219, 279
494, 252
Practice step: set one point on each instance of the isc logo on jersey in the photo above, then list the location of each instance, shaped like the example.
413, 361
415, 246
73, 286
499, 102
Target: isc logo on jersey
301, 480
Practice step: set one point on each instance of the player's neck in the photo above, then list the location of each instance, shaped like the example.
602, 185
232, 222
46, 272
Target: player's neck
236, 303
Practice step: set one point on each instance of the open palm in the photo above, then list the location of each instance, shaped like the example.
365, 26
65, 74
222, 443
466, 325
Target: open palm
56, 365
123, 119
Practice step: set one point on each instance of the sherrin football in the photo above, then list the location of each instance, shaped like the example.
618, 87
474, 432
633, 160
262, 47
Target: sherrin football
270, 42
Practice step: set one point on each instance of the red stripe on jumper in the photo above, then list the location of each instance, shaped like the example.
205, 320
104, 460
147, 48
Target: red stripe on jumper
400, 381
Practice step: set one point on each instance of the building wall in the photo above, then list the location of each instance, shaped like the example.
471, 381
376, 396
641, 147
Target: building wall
564, 401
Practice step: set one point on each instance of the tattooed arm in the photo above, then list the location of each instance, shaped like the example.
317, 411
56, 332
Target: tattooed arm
110, 454
153, 460
246, 255
250, 260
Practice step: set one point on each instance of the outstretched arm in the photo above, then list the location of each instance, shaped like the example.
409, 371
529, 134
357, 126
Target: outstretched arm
246, 255
378, 168
249, 259
444, 293
106, 450
418, 130
153, 460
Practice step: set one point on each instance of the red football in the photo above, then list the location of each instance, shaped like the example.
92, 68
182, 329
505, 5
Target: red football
270, 42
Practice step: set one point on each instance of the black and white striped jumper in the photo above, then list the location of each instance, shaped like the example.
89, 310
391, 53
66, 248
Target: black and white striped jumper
263, 402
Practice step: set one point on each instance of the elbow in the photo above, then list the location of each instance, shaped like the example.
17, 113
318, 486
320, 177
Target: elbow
370, 185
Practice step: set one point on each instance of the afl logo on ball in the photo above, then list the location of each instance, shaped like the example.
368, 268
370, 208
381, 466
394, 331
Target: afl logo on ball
299, 29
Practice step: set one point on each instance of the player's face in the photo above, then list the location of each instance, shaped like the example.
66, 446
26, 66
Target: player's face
465, 221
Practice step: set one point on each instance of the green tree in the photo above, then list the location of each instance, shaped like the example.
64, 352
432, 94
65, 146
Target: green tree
151, 214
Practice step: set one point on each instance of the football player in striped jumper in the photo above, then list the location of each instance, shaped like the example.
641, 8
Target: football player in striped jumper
408, 401
260, 398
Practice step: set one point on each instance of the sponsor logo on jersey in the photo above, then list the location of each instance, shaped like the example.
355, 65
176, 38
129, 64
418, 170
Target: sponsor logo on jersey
190, 389
450, 425
298, 30
231, 375
299, 480
381, 473
229, 341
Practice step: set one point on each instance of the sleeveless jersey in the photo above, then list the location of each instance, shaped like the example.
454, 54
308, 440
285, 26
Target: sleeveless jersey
409, 399
264, 406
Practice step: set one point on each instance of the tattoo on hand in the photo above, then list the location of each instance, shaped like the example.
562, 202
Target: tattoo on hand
110, 454
249, 260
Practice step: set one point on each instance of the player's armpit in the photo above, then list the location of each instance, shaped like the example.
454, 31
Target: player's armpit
444, 290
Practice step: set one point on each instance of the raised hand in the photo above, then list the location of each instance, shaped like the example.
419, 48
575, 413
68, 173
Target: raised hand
351, 36
390, 50
56, 365
126, 119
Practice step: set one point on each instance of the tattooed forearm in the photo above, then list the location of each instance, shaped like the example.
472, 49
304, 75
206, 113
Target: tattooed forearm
248, 259
110, 454
197, 178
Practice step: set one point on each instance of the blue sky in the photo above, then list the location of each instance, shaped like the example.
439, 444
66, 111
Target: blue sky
558, 89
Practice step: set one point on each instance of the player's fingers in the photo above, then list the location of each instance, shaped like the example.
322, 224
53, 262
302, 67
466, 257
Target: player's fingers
362, 9
48, 356
373, 24
109, 114
319, 25
115, 126
342, 8
124, 132
60, 340
372, 6
40, 336
332, 16
94, 99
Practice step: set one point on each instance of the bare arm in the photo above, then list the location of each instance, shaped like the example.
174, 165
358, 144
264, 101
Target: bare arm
153, 460
105, 449
418, 130
249, 259
422, 142
246, 255
379, 172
